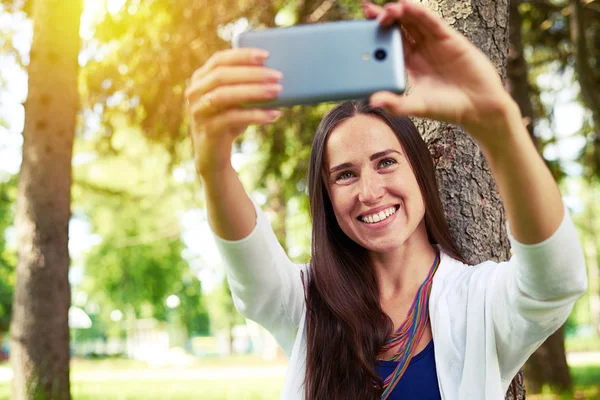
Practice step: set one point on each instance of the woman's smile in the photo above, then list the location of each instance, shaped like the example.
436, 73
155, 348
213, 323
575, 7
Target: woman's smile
379, 220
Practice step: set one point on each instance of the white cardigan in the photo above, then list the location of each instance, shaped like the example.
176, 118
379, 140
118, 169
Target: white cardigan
486, 320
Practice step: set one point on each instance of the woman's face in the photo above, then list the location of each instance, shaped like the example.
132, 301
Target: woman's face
372, 187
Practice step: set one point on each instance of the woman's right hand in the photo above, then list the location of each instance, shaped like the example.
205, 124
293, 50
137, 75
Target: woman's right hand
215, 96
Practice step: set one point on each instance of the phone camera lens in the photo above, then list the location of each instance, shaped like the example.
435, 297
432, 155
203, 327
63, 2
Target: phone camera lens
380, 54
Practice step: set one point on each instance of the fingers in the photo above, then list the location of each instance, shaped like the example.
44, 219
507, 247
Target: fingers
399, 104
231, 57
421, 23
229, 79
227, 75
225, 97
239, 119
370, 10
418, 20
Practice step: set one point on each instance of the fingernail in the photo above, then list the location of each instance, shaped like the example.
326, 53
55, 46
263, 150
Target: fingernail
274, 89
273, 114
273, 76
261, 55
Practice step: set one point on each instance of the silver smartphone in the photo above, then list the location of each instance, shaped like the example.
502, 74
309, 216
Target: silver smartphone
333, 61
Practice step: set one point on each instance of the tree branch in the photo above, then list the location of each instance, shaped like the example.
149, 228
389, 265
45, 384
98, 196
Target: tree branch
106, 191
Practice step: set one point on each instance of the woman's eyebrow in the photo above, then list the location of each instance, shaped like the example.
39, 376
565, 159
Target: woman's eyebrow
373, 157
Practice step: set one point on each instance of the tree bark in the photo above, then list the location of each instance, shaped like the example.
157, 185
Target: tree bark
39, 330
548, 365
468, 191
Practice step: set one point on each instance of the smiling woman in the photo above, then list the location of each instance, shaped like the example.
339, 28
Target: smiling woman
387, 308
375, 205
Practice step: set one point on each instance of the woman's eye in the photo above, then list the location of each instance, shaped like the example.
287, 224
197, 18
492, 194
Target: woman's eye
387, 162
344, 175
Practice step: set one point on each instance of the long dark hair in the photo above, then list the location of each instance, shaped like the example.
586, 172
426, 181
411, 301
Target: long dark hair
345, 325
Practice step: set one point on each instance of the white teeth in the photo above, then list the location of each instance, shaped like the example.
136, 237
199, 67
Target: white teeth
379, 216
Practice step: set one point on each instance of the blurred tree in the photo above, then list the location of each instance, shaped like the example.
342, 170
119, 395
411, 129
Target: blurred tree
194, 313
223, 314
555, 34
589, 224
548, 365
137, 264
42, 297
8, 260
563, 36
132, 200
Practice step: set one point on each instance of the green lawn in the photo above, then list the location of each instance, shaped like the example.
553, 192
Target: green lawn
586, 378
254, 389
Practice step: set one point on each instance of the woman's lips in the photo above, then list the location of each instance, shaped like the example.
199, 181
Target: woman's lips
383, 223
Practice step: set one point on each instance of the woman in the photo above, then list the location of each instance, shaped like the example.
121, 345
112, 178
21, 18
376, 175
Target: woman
386, 284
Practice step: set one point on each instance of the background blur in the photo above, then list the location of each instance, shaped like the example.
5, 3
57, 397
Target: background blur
151, 314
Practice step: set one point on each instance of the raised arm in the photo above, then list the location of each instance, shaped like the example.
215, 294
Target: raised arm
532, 295
265, 284
453, 81
215, 94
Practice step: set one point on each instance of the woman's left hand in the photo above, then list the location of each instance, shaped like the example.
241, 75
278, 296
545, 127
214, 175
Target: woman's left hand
450, 79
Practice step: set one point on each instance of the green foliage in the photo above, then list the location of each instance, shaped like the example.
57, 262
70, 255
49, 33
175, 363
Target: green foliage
8, 259
223, 314
193, 311
151, 49
548, 40
132, 201
132, 272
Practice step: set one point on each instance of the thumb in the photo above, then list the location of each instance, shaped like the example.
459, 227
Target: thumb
398, 104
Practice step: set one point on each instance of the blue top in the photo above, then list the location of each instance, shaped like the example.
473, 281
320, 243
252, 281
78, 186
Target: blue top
419, 380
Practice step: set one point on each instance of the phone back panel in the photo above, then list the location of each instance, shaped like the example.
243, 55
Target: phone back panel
330, 61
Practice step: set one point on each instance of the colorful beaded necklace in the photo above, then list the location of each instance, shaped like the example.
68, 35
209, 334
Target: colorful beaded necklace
410, 332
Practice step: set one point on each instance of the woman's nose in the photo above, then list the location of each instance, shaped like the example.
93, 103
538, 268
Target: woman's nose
371, 188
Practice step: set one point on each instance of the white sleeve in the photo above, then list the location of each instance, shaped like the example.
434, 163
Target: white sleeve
265, 284
534, 293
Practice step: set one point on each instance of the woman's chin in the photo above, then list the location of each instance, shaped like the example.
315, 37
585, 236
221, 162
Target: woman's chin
383, 246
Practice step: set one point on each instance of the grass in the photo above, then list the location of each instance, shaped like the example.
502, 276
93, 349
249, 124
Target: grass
585, 377
127, 365
246, 389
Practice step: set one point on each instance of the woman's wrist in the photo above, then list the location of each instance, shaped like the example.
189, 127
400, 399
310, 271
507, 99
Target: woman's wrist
215, 174
500, 129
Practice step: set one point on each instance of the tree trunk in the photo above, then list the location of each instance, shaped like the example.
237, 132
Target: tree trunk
585, 73
40, 330
468, 191
518, 76
548, 365
591, 252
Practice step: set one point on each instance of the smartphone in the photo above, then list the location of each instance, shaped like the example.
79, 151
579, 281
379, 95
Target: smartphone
332, 61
